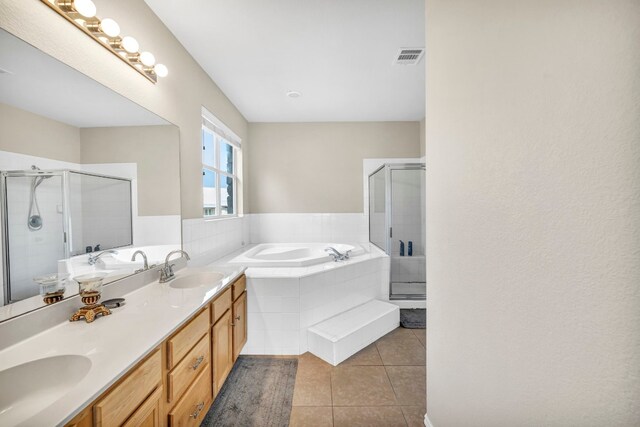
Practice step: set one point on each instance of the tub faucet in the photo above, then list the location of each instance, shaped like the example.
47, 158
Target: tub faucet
166, 272
337, 255
145, 263
94, 258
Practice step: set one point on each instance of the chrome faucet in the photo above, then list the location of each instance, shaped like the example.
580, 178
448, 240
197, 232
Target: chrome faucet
166, 272
93, 259
145, 263
337, 255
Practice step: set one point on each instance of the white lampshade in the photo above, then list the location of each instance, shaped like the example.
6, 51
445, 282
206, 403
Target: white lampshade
130, 44
147, 59
85, 8
161, 70
110, 27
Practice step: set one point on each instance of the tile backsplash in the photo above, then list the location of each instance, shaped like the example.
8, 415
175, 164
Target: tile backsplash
208, 240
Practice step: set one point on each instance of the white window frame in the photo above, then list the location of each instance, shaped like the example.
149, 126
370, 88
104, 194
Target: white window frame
211, 125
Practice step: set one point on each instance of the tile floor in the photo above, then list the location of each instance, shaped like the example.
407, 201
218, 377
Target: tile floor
384, 385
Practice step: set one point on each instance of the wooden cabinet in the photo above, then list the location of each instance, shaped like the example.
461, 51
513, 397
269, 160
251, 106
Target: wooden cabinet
238, 287
149, 413
222, 350
239, 324
123, 400
175, 385
193, 406
220, 305
188, 369
181, 342
83, 419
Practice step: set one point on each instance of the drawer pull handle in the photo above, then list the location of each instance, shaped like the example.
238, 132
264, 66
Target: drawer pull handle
198, 410
198, 362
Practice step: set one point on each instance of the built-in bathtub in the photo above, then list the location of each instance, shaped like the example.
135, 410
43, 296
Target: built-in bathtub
292, 286
293, 254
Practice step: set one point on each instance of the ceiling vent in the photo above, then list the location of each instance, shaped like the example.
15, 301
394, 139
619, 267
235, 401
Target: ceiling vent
409, 56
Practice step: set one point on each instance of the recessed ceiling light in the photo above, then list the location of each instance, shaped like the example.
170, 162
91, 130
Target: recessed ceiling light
294, 94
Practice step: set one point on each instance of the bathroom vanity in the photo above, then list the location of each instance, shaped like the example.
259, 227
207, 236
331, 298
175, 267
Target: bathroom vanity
177, 382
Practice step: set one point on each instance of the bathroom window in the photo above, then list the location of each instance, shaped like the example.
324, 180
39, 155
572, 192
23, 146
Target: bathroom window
220, 151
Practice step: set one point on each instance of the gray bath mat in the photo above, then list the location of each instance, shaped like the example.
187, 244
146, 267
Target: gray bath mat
258, 392
413, 318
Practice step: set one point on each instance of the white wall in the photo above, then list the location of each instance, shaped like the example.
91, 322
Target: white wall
533, 221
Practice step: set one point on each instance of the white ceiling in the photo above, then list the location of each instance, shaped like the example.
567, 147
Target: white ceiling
337, 53
42, 85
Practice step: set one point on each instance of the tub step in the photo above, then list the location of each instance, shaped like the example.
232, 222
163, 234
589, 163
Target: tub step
340, 337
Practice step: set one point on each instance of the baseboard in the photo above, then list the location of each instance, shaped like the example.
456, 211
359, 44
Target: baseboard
427, 422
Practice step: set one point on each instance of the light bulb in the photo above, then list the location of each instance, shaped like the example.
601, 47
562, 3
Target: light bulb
130, 44
85, 8
161, 70
110, 27
147, 59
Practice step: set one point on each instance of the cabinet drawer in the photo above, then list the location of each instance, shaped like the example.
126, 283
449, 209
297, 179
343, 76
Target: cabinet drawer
182, 342
239, 286
188, 369
125, 398
221, 304
191, 409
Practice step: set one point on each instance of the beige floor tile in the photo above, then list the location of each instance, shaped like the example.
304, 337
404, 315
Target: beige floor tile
311, 416
377, 416
409, 384
311, 363
365, 357
398, 334
402, 351
421, 334
361, 386
313, 382
414, 415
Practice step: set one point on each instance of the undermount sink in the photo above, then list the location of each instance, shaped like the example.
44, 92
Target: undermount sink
29, 388
196, 280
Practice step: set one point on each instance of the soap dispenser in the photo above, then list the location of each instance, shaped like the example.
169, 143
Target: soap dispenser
401, 248
410, 248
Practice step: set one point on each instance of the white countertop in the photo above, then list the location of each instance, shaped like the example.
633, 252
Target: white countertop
114, 343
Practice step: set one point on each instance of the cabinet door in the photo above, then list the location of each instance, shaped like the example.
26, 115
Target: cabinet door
222, 350
239, 324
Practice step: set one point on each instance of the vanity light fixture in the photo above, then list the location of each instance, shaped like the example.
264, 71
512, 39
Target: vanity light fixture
147, 59
82, 13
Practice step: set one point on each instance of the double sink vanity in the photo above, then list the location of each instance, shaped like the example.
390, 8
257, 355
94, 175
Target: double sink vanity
158, 360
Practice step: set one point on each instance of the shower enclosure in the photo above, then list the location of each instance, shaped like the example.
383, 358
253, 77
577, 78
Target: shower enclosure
48, 216
396, 225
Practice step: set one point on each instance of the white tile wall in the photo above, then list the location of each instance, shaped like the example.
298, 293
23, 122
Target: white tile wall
207, 240
309, 228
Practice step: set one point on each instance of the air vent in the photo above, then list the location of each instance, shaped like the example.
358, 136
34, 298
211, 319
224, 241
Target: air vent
409, 56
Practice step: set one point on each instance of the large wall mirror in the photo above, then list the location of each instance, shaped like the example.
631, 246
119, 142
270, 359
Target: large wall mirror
87, 176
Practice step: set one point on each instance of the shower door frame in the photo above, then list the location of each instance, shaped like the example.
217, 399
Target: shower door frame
67, 239
388, 168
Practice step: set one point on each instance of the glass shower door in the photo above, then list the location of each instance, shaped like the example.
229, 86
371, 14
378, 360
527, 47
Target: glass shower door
406, 243
378, 209
34, 231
